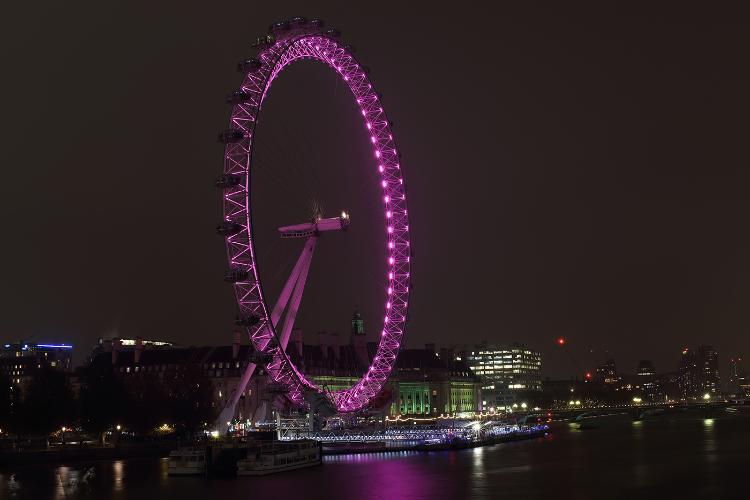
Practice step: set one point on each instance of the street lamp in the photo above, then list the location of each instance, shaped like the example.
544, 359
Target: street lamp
707, 396
636, 400
523, 405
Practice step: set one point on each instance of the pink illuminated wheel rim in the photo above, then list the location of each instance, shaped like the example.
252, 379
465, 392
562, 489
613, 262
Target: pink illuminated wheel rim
276, 54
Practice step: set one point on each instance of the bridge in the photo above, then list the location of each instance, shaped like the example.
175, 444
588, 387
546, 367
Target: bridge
640, 411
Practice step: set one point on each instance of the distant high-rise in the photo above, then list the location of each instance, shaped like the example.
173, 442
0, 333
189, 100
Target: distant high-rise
646, 368
738, 381
735, 369
607, 373
646, 376
708, 360
699, 371
688, 380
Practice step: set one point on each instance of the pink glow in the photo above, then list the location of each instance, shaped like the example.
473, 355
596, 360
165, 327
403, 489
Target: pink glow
288, 49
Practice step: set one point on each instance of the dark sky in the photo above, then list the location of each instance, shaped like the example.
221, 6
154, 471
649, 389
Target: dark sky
578, 172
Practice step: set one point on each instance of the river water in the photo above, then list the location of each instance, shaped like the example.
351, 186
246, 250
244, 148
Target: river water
687, 457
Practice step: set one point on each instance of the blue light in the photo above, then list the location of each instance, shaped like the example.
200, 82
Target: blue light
54, 346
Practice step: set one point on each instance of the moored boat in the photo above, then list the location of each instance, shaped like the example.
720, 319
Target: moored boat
187, 461
279, 456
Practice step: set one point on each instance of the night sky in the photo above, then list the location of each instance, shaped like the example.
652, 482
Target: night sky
570, 172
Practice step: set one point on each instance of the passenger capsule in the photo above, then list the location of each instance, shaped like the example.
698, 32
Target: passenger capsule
279, 27
249, 65
231, 135
251, 320
228, 228
228, 181
263, 42
238, 97
298, 21
236, 276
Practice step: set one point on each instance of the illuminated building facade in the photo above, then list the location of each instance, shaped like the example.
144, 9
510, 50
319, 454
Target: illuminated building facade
20, 361
425, 383
505, 371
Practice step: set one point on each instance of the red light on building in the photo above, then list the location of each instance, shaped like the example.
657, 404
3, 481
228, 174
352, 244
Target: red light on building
588, 375
561, 341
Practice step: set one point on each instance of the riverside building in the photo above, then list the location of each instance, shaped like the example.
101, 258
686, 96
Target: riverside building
505, 371
422, 382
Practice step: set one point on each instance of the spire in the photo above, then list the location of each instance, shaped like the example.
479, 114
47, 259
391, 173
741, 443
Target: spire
358, 324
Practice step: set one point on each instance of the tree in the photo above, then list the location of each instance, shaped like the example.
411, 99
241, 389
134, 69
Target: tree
103, 400
191, 398
47, 403
7, 400
148, 404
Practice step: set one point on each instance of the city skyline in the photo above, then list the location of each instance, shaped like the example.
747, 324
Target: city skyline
591, 202
579, 361
728, 371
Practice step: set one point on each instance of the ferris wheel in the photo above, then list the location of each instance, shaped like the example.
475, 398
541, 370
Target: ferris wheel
289, 42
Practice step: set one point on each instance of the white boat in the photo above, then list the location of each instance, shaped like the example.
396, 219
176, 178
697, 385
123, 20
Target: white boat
187, 461
280, 456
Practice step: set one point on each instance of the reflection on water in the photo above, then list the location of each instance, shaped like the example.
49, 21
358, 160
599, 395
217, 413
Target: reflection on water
710, 444
163, 470
369, 457
688, 458
477, 455
70, 481
117, 468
